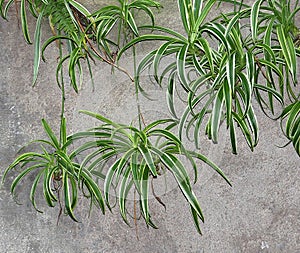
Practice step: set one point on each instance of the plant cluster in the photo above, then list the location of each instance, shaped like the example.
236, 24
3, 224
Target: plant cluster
220, 64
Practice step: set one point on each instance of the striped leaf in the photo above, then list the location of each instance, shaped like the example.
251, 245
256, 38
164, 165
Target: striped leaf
69, 196
254, 19
181, 66
184, 13
204, 13
288, 50
216, 115
37, 47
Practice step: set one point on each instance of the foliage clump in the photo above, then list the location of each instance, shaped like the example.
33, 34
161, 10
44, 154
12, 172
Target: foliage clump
221, 64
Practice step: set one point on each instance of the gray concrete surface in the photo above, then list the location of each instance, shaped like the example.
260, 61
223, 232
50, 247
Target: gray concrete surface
259, 214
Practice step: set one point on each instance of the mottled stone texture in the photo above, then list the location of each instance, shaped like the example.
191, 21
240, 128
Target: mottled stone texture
259, 214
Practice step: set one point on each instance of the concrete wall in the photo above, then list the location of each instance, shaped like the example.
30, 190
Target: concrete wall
259, 214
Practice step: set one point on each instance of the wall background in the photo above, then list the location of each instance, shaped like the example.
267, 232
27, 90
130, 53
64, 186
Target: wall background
259, 214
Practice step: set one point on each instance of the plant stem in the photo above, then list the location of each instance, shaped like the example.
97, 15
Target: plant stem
98, 54
136, 88
63, 98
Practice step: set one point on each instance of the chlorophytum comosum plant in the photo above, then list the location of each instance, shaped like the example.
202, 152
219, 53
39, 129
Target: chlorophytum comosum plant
220, 64
220, 80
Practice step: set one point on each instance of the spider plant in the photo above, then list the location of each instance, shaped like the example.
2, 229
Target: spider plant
137, 156
221, 67
68, 20
120, 19
56, 170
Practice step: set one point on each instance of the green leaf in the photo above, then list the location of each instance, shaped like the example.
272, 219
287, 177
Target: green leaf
119, 127
74, 21
168, 135
229, 86
50, 134
245, 130
37, 47
216, 115
196, 220
179, 169
74, 192
199, 119
197, 7
22, 175
101, 157
204, 12
93, 189
141, 6
218, 31
135, 170
235, 20
173, 165
145, 152
67, 195
250, 66
246, 91
288, 50
125, 160
228, 101
156, 123
108, 180
24, 22
273, 67
75, 56
183, 9
59, 70
65, 160
208, 53
3, 10
170, 95
181, 66
52, 39
160, 53
48, 193
101, 118
84, 11
294, 113
123, 193
210, 163
132, 24
292, 15
271, 91
147, 37
178, 37
254, 18
233, 137
144, 195
33, 189
23, 158
249, 117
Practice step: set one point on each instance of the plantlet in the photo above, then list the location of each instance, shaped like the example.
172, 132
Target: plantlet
121, 17
57, 171
137, 159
